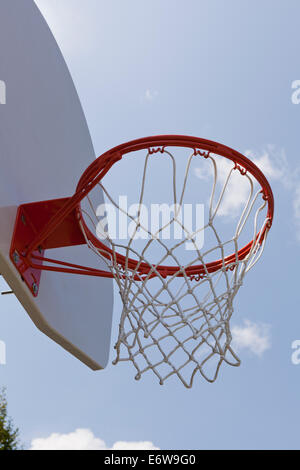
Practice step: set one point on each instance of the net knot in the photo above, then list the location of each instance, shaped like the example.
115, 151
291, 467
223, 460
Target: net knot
201, 153
156, 150
242, 170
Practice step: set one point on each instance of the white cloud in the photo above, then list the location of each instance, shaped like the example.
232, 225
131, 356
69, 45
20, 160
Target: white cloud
268, 168
236, 193
275, 166
273, 163
84, 439
252, 336
146, 445
237, 189
150, 95
81, 439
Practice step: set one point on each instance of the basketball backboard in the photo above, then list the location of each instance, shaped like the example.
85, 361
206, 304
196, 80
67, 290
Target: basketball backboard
45, 146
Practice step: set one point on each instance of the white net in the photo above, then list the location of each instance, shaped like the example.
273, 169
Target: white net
179, 324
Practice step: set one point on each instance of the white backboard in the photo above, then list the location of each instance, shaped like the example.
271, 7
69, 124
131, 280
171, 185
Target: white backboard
45, 146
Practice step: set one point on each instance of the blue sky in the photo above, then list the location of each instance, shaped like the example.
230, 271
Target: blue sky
217, 70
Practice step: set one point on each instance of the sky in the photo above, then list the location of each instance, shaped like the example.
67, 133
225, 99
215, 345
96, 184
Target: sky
224, 71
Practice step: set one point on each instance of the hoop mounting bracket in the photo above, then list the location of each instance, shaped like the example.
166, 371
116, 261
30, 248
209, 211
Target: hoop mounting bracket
31, 219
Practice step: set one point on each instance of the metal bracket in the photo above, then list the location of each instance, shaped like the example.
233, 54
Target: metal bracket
31, 219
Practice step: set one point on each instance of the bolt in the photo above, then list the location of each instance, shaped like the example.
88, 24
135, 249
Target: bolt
16, 257
35, 288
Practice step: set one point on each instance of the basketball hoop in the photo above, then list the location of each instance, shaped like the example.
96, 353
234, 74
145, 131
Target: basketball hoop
176, 317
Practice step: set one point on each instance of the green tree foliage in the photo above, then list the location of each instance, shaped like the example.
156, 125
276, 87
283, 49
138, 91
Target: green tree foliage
9, 436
